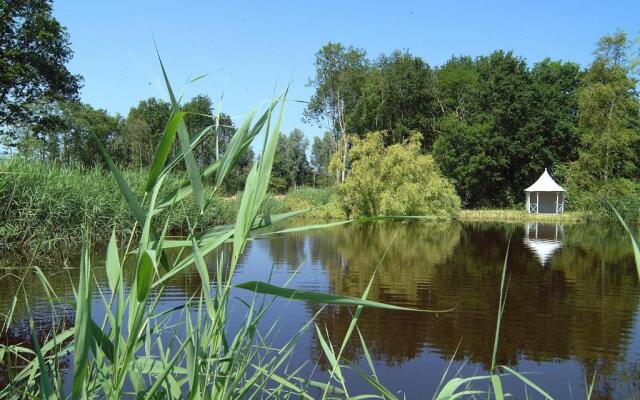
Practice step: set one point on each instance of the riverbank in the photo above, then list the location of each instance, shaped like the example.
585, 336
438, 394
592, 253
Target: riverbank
506, 215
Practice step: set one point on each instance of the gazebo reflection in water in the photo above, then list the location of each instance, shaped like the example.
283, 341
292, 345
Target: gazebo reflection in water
543, 239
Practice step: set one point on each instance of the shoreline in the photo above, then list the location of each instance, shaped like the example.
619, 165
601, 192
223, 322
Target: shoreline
509, 215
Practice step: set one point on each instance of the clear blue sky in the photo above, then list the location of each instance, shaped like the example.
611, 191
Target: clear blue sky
249, 49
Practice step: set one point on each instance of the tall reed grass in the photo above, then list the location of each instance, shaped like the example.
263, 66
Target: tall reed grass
49, 206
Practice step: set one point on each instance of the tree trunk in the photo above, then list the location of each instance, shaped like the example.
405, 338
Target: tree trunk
606, 154
345, 149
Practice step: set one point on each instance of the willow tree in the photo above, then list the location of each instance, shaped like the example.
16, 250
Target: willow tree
395, 180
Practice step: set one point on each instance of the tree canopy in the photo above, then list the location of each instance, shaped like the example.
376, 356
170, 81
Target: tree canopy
609, 127
492, 123
34, 50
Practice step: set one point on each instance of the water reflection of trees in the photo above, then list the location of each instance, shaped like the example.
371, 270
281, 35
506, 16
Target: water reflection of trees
350, 254
582, 305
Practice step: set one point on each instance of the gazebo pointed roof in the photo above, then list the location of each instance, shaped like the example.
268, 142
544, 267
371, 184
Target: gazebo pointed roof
545, 184
543, 249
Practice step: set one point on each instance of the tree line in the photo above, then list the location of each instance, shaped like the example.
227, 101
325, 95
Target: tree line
492, 123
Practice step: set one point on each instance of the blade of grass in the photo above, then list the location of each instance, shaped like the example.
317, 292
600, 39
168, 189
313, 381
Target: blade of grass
45, 381
112, 263
317, 297
527, 381
164, 148
83, 338
183, 135
634, 241
130, 198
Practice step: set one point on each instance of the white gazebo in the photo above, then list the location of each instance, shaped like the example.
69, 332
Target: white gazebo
545, 196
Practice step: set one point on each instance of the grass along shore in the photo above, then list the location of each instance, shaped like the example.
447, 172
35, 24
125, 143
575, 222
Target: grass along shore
50, 206
506, 215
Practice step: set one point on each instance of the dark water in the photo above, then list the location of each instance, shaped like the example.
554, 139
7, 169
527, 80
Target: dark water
571, 310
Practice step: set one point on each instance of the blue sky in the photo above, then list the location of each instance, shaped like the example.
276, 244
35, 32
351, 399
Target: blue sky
251, 50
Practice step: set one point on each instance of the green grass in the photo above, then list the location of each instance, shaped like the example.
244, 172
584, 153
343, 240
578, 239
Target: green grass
45, 206
506, 215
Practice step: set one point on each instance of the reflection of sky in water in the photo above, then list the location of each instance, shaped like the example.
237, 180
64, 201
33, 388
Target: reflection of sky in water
562, 322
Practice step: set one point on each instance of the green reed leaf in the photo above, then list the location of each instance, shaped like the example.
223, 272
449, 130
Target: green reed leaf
183, 135
83, 337
634, 241
144, 274
129, 196
112, 263
317, 297
164, 148
527, 381
45, 381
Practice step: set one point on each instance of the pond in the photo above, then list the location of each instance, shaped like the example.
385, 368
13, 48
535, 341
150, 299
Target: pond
571, 308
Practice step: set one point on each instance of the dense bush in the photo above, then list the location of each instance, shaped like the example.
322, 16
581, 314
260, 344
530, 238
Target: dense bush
596, 201
396, 180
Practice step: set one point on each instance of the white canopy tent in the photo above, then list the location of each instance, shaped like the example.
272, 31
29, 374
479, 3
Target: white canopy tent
545, 196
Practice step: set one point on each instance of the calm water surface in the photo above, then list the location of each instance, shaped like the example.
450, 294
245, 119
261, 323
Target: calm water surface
571, 310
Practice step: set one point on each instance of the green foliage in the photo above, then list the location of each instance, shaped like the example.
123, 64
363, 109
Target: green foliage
621, 193
339, 76
455, 83
134, 147
396, 180
321, 151
471, 156
398, 96
501, 121
290, 166
607, 167
321, 202
34, 51
52, 206
81, 123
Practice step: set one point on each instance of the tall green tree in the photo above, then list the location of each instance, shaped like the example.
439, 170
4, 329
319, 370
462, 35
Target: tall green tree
503, 123
472, 156
608, 117
322, 149
34, 51
291, 166
142, 128
339, 76
455, 86
81, 125
398, 96
549, 138
609, 125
